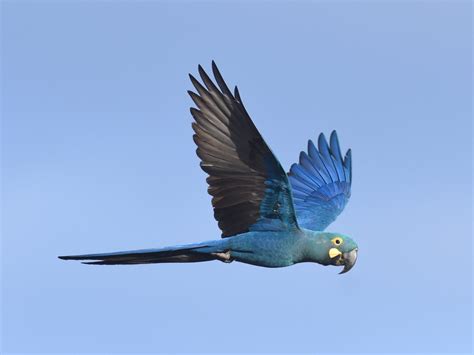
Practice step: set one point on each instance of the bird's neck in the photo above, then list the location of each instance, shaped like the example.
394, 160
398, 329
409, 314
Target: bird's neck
313, 248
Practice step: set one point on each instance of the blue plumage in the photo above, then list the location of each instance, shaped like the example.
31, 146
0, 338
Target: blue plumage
267, 217
321, 183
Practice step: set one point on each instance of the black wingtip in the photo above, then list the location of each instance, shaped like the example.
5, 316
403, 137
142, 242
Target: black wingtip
195, 82
215, 69
201, 70
237, 94
220, 80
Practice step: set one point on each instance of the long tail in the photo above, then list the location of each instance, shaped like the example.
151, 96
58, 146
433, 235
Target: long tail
177, 254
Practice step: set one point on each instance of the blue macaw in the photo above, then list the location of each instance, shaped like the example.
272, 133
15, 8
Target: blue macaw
268, 217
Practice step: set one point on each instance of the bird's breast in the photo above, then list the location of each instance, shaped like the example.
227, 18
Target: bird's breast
268, 249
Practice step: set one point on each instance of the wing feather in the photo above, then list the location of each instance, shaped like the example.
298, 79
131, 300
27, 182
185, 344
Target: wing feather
321, 183
249, 188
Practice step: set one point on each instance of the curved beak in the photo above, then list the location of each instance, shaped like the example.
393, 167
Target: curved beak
349, 259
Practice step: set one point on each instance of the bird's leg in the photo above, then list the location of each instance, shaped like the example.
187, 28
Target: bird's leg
224, 257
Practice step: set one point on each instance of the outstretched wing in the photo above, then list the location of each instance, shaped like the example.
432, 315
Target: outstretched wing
249, 188
321, 183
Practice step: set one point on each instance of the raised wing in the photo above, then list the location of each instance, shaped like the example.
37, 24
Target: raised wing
321, 183
250, 189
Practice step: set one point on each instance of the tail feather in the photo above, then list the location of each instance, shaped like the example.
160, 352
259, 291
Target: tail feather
183, 254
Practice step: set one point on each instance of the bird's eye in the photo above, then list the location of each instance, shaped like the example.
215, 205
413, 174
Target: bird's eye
337, 241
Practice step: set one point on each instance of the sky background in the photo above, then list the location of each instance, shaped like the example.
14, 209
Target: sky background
97, 156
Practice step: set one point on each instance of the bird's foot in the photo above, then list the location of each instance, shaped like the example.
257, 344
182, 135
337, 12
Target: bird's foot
224, 257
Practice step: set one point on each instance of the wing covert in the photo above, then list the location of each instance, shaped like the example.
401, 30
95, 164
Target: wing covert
249, 188
321, 183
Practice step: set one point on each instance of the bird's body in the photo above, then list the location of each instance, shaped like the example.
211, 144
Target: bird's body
262, 248
268, 218
280, 249
269, 249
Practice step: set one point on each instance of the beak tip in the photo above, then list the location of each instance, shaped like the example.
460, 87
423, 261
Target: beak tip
350, 260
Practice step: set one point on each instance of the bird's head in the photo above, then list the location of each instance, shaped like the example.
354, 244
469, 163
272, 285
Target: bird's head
337, 249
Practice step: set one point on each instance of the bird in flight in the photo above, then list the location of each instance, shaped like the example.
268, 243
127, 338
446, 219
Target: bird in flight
267, 217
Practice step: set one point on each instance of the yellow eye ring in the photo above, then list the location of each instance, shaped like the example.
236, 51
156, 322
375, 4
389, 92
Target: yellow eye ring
337, 241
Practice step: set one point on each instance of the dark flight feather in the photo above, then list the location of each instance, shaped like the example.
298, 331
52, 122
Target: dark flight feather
250, 189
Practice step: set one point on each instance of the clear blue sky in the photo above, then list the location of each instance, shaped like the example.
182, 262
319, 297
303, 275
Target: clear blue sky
98, 156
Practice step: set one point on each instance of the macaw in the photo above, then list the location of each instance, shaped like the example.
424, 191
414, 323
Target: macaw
267, 217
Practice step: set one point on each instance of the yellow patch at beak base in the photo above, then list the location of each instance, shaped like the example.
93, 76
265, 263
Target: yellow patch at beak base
333, 252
